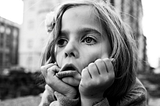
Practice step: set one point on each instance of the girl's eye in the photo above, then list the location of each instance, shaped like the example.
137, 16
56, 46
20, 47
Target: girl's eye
62, 42
89, 40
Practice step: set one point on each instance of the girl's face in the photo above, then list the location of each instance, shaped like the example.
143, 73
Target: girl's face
82, 39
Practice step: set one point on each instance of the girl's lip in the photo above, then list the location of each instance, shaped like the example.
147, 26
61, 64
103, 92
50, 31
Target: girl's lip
69, 67
68, 70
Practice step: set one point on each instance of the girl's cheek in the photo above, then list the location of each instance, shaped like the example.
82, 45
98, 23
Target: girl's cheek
86, 61
92, 58
104, 56
59, 60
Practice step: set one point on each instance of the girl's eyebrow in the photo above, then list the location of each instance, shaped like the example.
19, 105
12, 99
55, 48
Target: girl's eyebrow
89, 30
63, 33
81, 31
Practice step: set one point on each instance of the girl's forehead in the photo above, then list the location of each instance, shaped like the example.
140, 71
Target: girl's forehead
82, 15
77, 10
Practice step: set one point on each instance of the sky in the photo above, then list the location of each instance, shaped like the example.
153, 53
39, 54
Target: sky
151, 29
13, 10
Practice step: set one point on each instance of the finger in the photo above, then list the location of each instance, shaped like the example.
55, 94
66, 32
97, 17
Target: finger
63, 74
54, 69
44, 69
101, 66
112, 60
92, 68
85, 74
71, 81
109, 66
57, 84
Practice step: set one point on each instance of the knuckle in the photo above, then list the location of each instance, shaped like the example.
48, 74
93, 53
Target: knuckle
98, 60
83, 72
91, 65
49, 70
106, 59
42, 68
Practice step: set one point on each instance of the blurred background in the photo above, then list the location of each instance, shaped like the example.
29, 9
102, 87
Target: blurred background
23, 37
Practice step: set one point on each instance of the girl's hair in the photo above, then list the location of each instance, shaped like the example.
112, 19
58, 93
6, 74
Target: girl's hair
122, 43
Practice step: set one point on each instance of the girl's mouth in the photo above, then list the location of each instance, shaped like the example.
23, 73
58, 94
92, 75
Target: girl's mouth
69, 70
68, 67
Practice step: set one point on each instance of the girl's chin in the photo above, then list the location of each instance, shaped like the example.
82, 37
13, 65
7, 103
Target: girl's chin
71, 81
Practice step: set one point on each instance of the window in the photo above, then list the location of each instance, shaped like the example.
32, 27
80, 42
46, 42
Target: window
15, 33
1, 44
30, 24
1, 58
1, 36
30, 44
8, 31
112, 2
2, 29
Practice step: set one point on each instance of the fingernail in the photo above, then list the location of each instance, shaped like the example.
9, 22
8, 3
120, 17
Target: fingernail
112, 59
49, 60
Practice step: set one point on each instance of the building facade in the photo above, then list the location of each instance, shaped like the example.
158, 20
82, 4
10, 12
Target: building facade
33, 36
132, 13
9, 38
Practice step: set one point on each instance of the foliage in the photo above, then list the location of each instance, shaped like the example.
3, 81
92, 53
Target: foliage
151, 82
18, 83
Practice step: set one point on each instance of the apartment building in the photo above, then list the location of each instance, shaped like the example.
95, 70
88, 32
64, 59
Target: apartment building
9, 41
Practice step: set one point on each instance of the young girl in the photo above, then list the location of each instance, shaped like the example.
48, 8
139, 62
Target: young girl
90, 59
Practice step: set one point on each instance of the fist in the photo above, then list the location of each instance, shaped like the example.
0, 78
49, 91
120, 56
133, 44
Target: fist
97, 78
49, 72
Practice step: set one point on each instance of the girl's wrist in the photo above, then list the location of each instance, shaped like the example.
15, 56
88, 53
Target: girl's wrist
90, 101
72, 96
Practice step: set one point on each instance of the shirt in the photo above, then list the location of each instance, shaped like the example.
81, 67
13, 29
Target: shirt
137, 96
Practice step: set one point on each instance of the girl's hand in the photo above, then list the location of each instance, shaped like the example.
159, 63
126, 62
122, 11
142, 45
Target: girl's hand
49, 72
96, 79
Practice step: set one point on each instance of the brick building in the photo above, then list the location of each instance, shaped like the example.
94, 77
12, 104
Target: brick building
9, 34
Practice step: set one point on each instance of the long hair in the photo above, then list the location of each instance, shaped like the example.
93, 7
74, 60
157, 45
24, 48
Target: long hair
121, 39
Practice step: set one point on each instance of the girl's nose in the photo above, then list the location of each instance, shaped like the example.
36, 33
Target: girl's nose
71, 50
